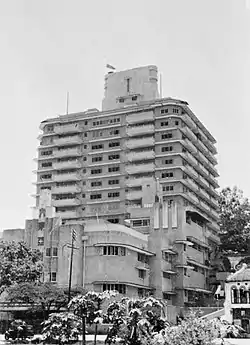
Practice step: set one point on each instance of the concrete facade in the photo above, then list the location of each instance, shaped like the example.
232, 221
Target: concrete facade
143, 162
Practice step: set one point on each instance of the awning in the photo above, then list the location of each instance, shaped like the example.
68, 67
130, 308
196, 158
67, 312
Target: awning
169, 271
197, 289
169, 292
142, 268
196, 263
185, 266
128, 246
99, 282
188, 243
169, 251
192, 210
195, 240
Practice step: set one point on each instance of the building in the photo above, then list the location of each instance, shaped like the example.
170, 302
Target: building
237, 301
144, 163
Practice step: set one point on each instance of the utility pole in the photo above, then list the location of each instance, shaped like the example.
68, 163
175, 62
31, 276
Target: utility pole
73, 238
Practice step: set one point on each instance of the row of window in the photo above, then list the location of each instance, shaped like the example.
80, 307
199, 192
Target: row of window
113, 250
166, 110
197, 268
140, 222
110, 158
99, 170
98, 134
110, 195
106, 121
121, 288
99, 183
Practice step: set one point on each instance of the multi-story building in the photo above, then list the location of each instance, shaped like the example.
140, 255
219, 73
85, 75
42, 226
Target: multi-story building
144, 162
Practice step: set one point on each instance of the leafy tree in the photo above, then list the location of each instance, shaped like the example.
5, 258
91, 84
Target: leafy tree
18, 264
234, 221
43, 297
63, 327
193, 330
135, 321
88, 308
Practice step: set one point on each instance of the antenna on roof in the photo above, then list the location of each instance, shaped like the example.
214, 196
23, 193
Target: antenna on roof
67, 105
160, 85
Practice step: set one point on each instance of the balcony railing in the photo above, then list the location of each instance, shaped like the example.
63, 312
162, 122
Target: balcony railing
66, 189
68, 153
143, 142
68, 128
67, 177
140, 130
74, 140
140, 168
67, 165
141, 155
132, 182
67, 214
140, 117
134, 195
66, 202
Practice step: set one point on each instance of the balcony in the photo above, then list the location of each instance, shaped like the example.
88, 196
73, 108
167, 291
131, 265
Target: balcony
194, 230
204, 206
167, 285
192, 184
204, 194
195, 255
187, 143
68, 128
189, 170
204, 182
68, 153
67, 165
140, 168
214, 213
132, 182
134, 195
191, 159
140, 130
67, 177
140, 117
137, 143
71, 140
66, 202
66, 189
141, 155
193, 197
188, 133
195, 280
67, 214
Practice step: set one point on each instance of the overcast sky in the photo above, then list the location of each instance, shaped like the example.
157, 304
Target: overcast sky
49, 47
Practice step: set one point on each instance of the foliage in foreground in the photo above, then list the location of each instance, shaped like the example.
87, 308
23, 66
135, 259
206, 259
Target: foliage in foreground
18, 264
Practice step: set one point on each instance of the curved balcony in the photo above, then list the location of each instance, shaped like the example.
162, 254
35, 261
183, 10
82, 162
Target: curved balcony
141, 155
68, 153
140, 168
68, 128
66, 202
140, 130
66, 189
140, 117
143, 142
67, 165
67, 177
134, 195
67, 214
71, 140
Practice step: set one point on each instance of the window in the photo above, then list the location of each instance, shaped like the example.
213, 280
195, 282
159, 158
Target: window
97, 159
128, 84
167, 188
85, 146
113, 195
49, 128
96, 184
83, 196
123, 251
164, 124
113, 220
46, 153
52, 276
113, 157
142, 258
141, 274
40, 241
166, 296
97, 147
121, 288
114, 132
114, 144
95, 196
111, 182
46, 177
121, 100
48, 251
166, 148
113, 169
96, 171
166, 275
167, 257
177, 123
168, 161
46, 187
167, 174
54, 251
85, 134
84, 158
85, 123
110, 250
46, 164
115, 120
140, 222
175, 110
167, 136
164, 111
134, 98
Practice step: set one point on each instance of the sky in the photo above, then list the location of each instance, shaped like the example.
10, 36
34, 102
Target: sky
49, 47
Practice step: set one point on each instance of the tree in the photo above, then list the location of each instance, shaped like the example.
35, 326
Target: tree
234, 221
18, 264
193, 330
63, 327
135, 321
43, 297
88, 308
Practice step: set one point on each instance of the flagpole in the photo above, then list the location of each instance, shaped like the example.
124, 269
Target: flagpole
71, 266
67, 106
